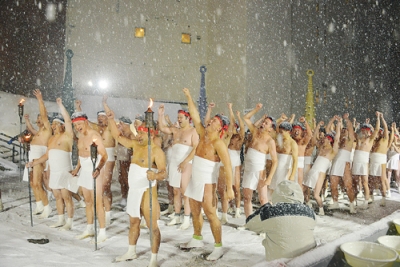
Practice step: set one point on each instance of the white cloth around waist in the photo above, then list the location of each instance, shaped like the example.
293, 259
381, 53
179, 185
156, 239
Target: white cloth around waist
110, 153
179, 153
235, 157
321, 164
282, 170
85, 178
204, 172
60, 162
375, 164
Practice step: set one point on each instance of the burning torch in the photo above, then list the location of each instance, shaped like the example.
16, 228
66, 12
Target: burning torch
93, 157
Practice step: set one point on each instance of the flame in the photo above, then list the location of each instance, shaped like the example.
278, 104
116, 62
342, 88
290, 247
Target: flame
22, 101
151, 103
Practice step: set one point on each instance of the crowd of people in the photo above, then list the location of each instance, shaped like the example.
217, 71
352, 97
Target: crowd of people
201, 163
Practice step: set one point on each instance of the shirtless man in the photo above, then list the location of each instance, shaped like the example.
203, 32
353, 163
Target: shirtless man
109, 144
124, 158
365, 140
201, 189
59, 150
38, 148
139, 191
234, 148
226, 134
327, 150
287, 152
254, 176
341, 166
86, 137
378, 160
185, 141
394, 158
302, 134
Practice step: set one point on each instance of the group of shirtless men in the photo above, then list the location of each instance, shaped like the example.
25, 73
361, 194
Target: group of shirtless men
202, 158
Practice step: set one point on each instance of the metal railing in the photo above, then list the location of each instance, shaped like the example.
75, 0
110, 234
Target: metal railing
9, 144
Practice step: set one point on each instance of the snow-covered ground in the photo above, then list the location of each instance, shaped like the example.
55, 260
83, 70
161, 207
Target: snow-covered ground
242, 247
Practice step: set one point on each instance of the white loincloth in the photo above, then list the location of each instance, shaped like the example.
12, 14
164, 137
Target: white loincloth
307, 160
178, 155
254, 162
110, 153
352, 154
321, 164
360, 163
282, 170
60, 162
300, 165
138, 184
122, 153
204, 172
85, 178
234, 155
268, 157
375, 163
339, 162
393, 162
35, 152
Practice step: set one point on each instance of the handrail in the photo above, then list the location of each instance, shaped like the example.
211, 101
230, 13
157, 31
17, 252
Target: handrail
15, 145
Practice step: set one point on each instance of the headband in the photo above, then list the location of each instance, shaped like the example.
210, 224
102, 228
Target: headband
101, 112
331, 140
79, 119
58, 120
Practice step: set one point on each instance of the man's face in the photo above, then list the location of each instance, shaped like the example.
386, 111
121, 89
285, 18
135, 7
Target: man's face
366, 131
182, 120
214, 124
57, 127
102, 119
266, 124
80, 126
297, 133
39, 121
142, 137
137, 123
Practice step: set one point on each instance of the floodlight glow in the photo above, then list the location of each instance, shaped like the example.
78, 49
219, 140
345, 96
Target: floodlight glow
103, 84
90, 83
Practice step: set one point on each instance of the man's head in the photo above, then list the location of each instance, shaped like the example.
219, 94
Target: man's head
366, 129
329, 139
139, 119
39, 121
298, 131
142, 134
79, 120
219, 123
183, 118
58, 124
102, 118
268, 124
285, 127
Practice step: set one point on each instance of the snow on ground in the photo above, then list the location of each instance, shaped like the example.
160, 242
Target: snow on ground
242, 247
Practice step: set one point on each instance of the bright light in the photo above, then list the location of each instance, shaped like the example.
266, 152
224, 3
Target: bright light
103, 84
90, 83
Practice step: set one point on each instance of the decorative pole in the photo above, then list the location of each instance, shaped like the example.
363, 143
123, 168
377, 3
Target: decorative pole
20, 114
27, 136
149, 124
203, 94
67, 89
310, 109
93, 157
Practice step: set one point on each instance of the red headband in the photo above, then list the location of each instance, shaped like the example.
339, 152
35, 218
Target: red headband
224, 127
79, 119
145, 129
186, 114
297, 126
330, 139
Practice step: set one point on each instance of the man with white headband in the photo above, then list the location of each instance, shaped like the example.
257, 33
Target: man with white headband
86, 137
59, 150
201, 189
38, 148
109, 143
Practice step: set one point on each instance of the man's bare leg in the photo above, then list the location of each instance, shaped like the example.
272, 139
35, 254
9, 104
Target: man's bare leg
247, 198
334, 192
348, 184
60, 209
107, 194
221, 192
210, 206
133, 236
67, 197
366, 189
39, 192
177, 206
317, 192
236, 189
383, 185
145, 209
300, 175
185, 179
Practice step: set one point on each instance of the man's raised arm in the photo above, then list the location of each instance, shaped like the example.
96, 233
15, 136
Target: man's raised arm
194, 113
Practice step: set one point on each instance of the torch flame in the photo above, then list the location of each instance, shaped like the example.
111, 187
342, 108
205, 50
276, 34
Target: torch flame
151, 103
22, 101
